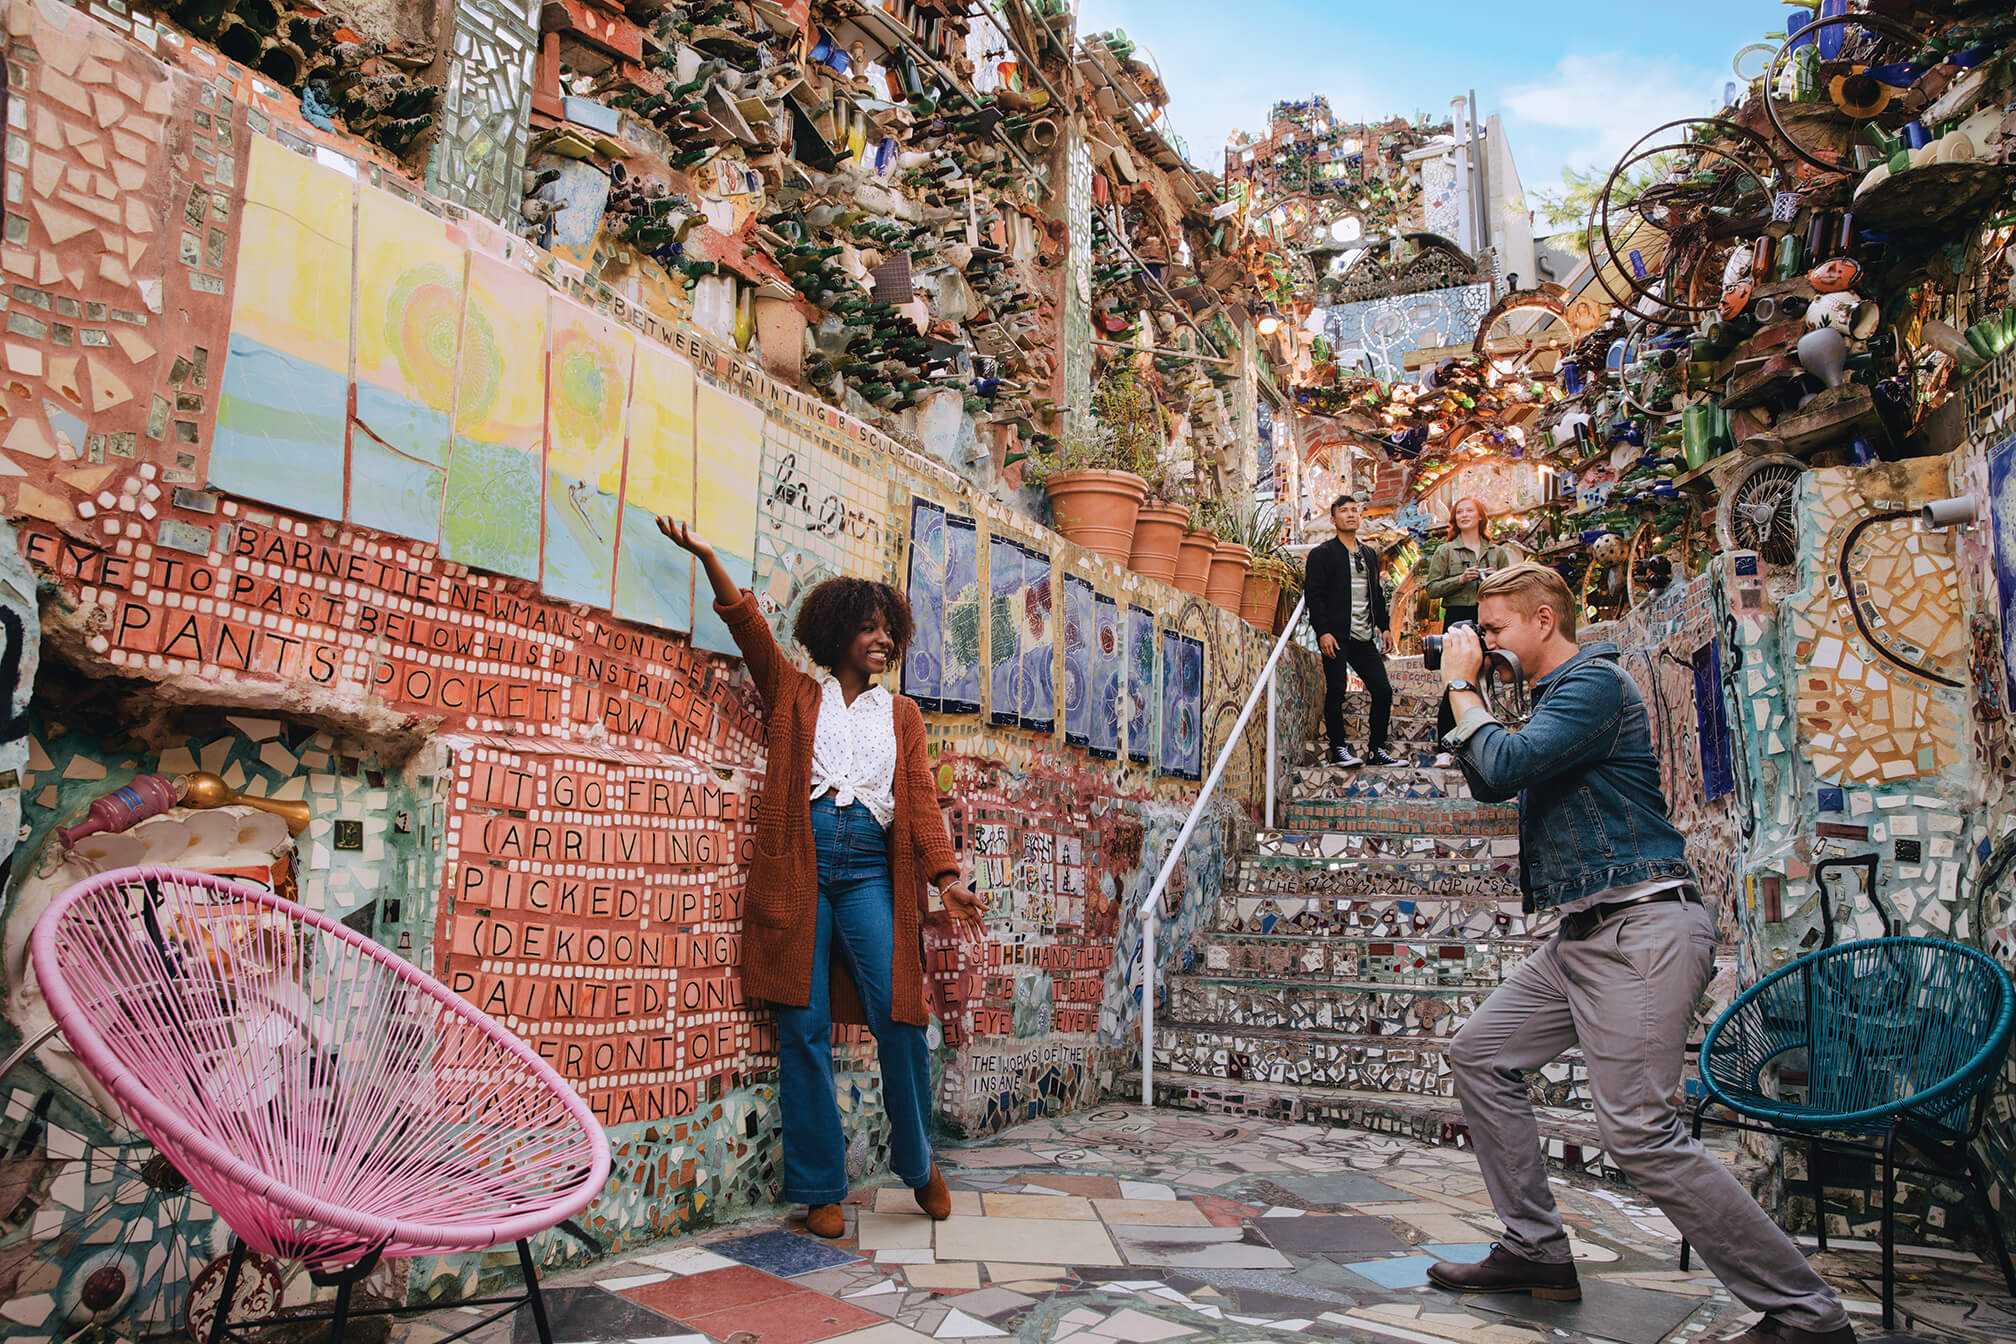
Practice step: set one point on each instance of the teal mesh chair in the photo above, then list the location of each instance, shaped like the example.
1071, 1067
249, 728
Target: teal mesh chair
1863, 1048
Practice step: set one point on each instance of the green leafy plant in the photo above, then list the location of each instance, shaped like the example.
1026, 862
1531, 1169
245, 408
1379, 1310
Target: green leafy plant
1093, 449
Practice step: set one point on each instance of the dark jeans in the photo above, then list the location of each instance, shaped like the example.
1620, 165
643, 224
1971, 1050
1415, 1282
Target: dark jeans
857, 920
1363, 657
1445, 719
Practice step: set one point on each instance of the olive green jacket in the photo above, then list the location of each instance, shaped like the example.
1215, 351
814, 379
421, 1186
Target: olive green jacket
1444, 579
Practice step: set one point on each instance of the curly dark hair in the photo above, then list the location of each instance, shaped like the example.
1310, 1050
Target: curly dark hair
834, 612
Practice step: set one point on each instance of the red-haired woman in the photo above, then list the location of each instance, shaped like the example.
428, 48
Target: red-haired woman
847, 830
1452, 576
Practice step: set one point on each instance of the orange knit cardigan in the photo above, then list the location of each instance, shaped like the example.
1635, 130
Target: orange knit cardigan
780, 905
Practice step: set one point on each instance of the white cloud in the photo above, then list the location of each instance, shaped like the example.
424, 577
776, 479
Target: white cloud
1589, 109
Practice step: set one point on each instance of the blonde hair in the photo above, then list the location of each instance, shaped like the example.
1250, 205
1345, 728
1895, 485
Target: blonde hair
1528, 587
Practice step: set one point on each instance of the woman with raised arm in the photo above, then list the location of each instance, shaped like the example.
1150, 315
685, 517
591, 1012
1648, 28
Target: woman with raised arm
848, 828
1462, 562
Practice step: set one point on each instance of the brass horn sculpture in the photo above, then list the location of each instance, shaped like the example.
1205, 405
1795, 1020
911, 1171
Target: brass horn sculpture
208, 790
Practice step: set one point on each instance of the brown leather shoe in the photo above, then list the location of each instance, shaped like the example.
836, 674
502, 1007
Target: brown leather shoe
1770, 1330
933, 1197
825, 1220
1503, 1272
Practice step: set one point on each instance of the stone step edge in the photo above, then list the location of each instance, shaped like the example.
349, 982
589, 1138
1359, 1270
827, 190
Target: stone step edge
1336, 986
1525, 940
1439, 1045
1572, 1142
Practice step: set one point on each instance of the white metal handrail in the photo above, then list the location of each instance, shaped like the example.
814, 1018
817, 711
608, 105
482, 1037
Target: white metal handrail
1149, 905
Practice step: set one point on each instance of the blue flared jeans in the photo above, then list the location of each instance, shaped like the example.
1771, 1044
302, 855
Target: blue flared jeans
857, 920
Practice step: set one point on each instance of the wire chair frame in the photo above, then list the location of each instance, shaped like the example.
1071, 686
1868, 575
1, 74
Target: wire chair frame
332, 1102
1898, 1041
1891, 1027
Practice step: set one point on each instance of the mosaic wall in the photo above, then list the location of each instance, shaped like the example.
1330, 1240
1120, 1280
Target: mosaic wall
1381, 333
483, 126
404, 495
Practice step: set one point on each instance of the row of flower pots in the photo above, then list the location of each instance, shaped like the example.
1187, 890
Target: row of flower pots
1109, 512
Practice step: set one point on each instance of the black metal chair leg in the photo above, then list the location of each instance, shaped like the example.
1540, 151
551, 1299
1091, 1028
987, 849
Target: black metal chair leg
340, 1321
1890, 1230
1700, 1114
1977, 1172
1817, 1183
220, 1323
533, 1297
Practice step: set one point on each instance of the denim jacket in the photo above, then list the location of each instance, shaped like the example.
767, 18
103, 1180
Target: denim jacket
1592, 814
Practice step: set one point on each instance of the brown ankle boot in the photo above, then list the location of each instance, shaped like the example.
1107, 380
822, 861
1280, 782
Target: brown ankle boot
825, 1220
1504, 1272
933, 1197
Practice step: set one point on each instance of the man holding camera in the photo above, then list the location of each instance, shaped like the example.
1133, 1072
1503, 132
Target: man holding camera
1633, 951
1347, 608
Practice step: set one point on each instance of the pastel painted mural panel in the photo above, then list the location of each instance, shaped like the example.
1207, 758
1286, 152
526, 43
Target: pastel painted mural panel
409, 334
1140, 685
491, 507
728, 454
587, 399
959, 691
654, 578
284, 394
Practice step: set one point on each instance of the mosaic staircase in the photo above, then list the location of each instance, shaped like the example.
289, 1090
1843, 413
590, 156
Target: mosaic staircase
1347, 947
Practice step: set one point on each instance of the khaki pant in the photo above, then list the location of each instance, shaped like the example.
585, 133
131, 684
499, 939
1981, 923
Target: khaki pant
1626, 995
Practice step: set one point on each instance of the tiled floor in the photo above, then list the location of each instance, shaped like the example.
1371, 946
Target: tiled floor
1121, 1226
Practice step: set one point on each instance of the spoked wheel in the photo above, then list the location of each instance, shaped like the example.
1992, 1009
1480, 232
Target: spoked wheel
103, 1236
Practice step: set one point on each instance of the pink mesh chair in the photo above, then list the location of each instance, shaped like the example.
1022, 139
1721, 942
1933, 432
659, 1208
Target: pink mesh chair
330, 1101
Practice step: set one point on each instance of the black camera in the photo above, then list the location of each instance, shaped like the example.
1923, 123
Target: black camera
1431, 645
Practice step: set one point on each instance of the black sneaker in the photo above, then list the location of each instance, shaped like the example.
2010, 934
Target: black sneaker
1342, 756
1381, 756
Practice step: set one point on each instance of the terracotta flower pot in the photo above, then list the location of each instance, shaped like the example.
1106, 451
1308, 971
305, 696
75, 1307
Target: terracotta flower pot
1096, 509
1227, 584
1193, 561
1158, 533
1256, 604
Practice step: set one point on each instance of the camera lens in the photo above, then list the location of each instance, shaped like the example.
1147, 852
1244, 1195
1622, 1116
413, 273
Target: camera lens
1431, 652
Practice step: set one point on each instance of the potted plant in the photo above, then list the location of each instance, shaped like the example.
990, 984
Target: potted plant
1232, 559
1264, 537
1093, 496
1195, 549
1159, 528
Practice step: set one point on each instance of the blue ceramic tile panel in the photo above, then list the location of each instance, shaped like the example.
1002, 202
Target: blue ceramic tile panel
1078, 620
785, 1254
959, 691
1140, 685
1182, 706
923, 661
1107, 660
1039, 644
1004, 628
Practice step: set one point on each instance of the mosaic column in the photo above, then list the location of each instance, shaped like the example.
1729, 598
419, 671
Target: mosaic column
485, 105
1077, 395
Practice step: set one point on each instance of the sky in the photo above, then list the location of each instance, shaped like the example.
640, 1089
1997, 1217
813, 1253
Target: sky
1576, 81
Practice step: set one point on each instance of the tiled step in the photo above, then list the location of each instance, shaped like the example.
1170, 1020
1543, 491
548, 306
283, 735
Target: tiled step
1312, 847
1296, 958
1377, 875
1352, 1007
1569, 1136
1412, 780
1458, 818
1439, 919
1403, 1065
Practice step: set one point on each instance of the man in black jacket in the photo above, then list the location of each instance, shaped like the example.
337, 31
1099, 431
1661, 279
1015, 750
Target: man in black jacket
1348, 609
